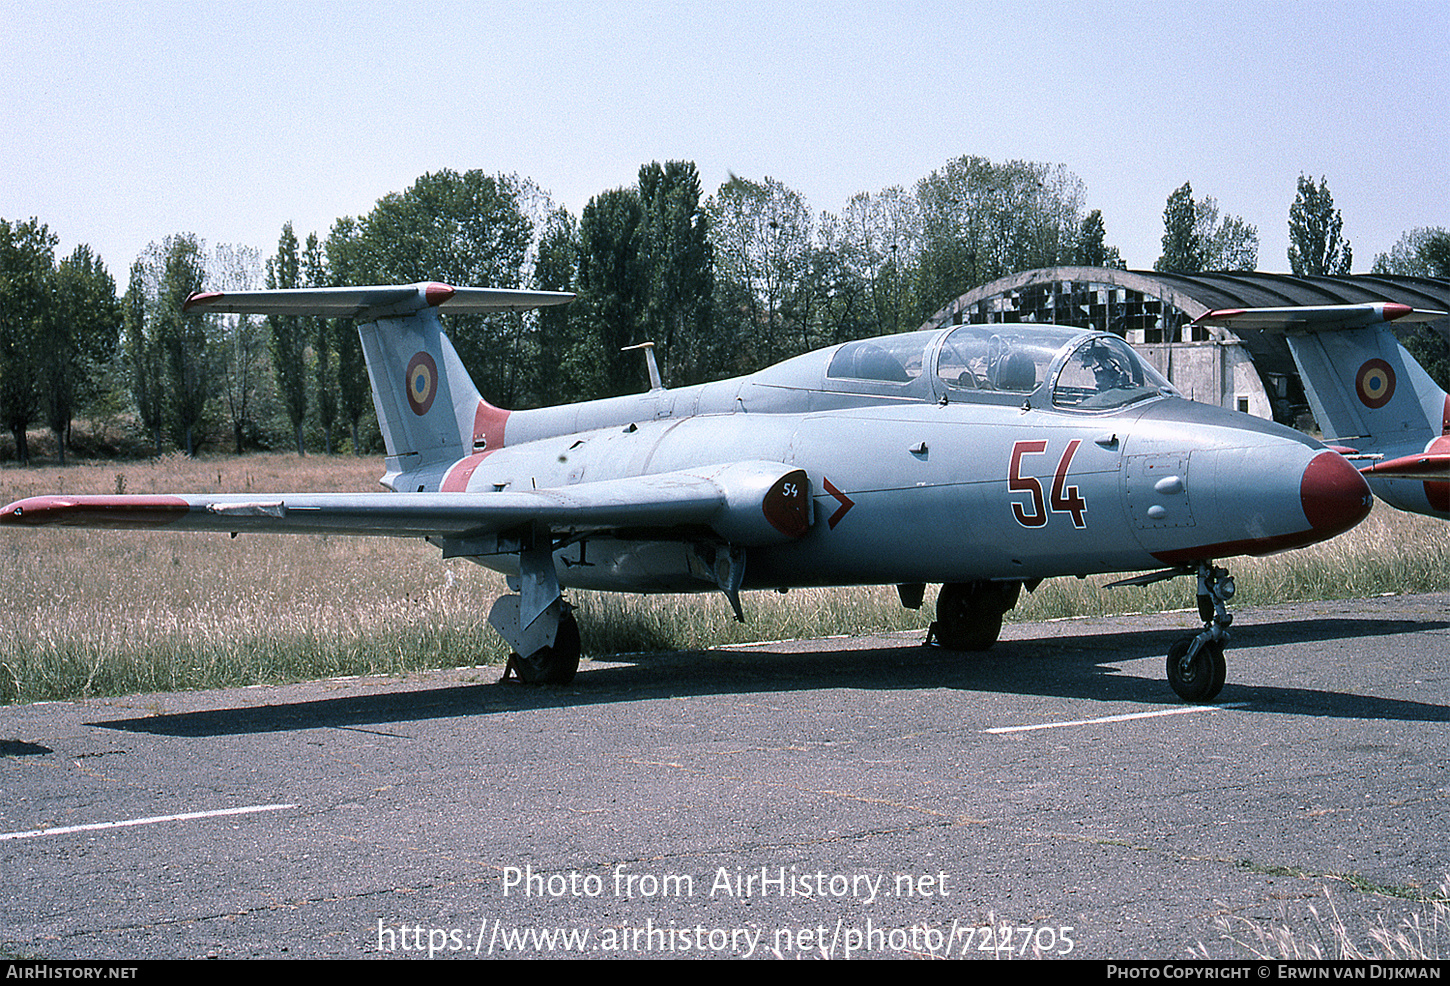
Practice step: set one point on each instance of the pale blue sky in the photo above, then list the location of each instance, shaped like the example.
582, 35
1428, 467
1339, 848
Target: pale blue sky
123, 123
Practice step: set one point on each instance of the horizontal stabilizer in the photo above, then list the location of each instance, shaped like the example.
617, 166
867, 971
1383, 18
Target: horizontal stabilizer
1428, 466
1317, 318
373, 302
746, 503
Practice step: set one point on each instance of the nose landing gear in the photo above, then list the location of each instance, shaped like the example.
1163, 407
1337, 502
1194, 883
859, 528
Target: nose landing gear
1196, 667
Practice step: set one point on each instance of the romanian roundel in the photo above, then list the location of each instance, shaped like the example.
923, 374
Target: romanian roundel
1375, 383
422, 383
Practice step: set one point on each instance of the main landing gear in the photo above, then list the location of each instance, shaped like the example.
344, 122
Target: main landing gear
1196, 668
969, 614
539, 626
555, 664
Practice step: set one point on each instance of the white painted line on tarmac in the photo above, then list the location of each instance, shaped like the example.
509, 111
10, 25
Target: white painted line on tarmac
1122, 718
96, 826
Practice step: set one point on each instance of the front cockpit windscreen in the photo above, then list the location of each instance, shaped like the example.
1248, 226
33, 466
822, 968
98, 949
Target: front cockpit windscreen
1103, 373
999, 358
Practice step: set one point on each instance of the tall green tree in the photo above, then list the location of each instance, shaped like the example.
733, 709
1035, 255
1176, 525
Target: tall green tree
1437, 254
323, 336
243, 340
183, 336
559, 376
981, 220
763, 235
1229, 243
345, 266
1423, 252
1196, 237
1183, 247
146, 362
27, 256
841, 293
878, 239
79, 335
1316, 242
681, 270
613, 281
1420, 252
289, 336
1092, 249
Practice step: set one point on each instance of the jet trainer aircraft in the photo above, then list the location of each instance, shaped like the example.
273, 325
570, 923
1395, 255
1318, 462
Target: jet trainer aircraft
1368, 392
982, 457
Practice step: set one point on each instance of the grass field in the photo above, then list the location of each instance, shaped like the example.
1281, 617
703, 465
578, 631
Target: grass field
115, 612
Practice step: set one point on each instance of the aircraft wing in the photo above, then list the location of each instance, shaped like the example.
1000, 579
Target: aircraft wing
1318, 317
746, 503
376, 301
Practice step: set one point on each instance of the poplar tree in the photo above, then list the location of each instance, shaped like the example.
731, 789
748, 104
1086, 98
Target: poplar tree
143, 353
78, 337
680, 267
183, 336
354, 394
322, 332
289, 337
27, 252
1316, 246
613, 284
1183, 247
558, 378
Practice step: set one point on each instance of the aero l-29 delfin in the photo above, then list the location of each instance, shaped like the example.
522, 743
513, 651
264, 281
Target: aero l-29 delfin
982, 457
1369, 395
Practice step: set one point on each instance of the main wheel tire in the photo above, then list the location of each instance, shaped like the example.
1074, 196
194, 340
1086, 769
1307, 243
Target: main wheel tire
554, 665
969, 615
1201, 679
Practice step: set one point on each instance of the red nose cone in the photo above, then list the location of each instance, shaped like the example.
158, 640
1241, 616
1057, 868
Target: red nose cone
1334, 494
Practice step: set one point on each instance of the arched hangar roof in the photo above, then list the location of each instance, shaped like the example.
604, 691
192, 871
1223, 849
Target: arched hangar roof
1056, 293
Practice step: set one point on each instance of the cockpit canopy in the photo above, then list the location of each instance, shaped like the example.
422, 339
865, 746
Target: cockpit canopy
1085, 371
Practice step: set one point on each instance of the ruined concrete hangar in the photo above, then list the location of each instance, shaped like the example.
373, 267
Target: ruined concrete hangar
1251, 371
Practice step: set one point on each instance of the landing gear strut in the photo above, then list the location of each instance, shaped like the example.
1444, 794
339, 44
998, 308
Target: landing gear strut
1196, 668
538, 625
969, 614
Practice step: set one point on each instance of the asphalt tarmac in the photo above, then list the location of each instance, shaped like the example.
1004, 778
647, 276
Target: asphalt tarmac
851, 797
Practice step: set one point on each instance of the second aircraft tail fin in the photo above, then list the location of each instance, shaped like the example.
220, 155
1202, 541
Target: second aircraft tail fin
1365, 389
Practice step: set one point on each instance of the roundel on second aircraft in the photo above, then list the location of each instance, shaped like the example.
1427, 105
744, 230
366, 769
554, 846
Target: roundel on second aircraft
422, 383
1375, 383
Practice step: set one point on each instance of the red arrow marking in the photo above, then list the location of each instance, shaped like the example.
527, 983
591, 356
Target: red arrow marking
846, 503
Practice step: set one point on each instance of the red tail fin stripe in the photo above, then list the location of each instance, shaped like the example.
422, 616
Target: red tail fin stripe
488, 426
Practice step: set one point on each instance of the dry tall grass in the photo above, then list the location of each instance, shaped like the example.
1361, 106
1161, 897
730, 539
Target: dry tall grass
1318, 932
114, 612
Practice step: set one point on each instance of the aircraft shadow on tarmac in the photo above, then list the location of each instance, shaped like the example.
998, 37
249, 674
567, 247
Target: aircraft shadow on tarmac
1067, 667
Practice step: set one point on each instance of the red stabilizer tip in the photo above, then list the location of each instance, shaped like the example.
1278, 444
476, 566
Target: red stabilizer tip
200, 298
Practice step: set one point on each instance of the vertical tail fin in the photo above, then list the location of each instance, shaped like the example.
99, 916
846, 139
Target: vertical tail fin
1366, 390
1362, 385
429, 411
425, 399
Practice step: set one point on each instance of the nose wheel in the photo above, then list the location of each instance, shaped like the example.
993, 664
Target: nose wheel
1196, 671
1196, 666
